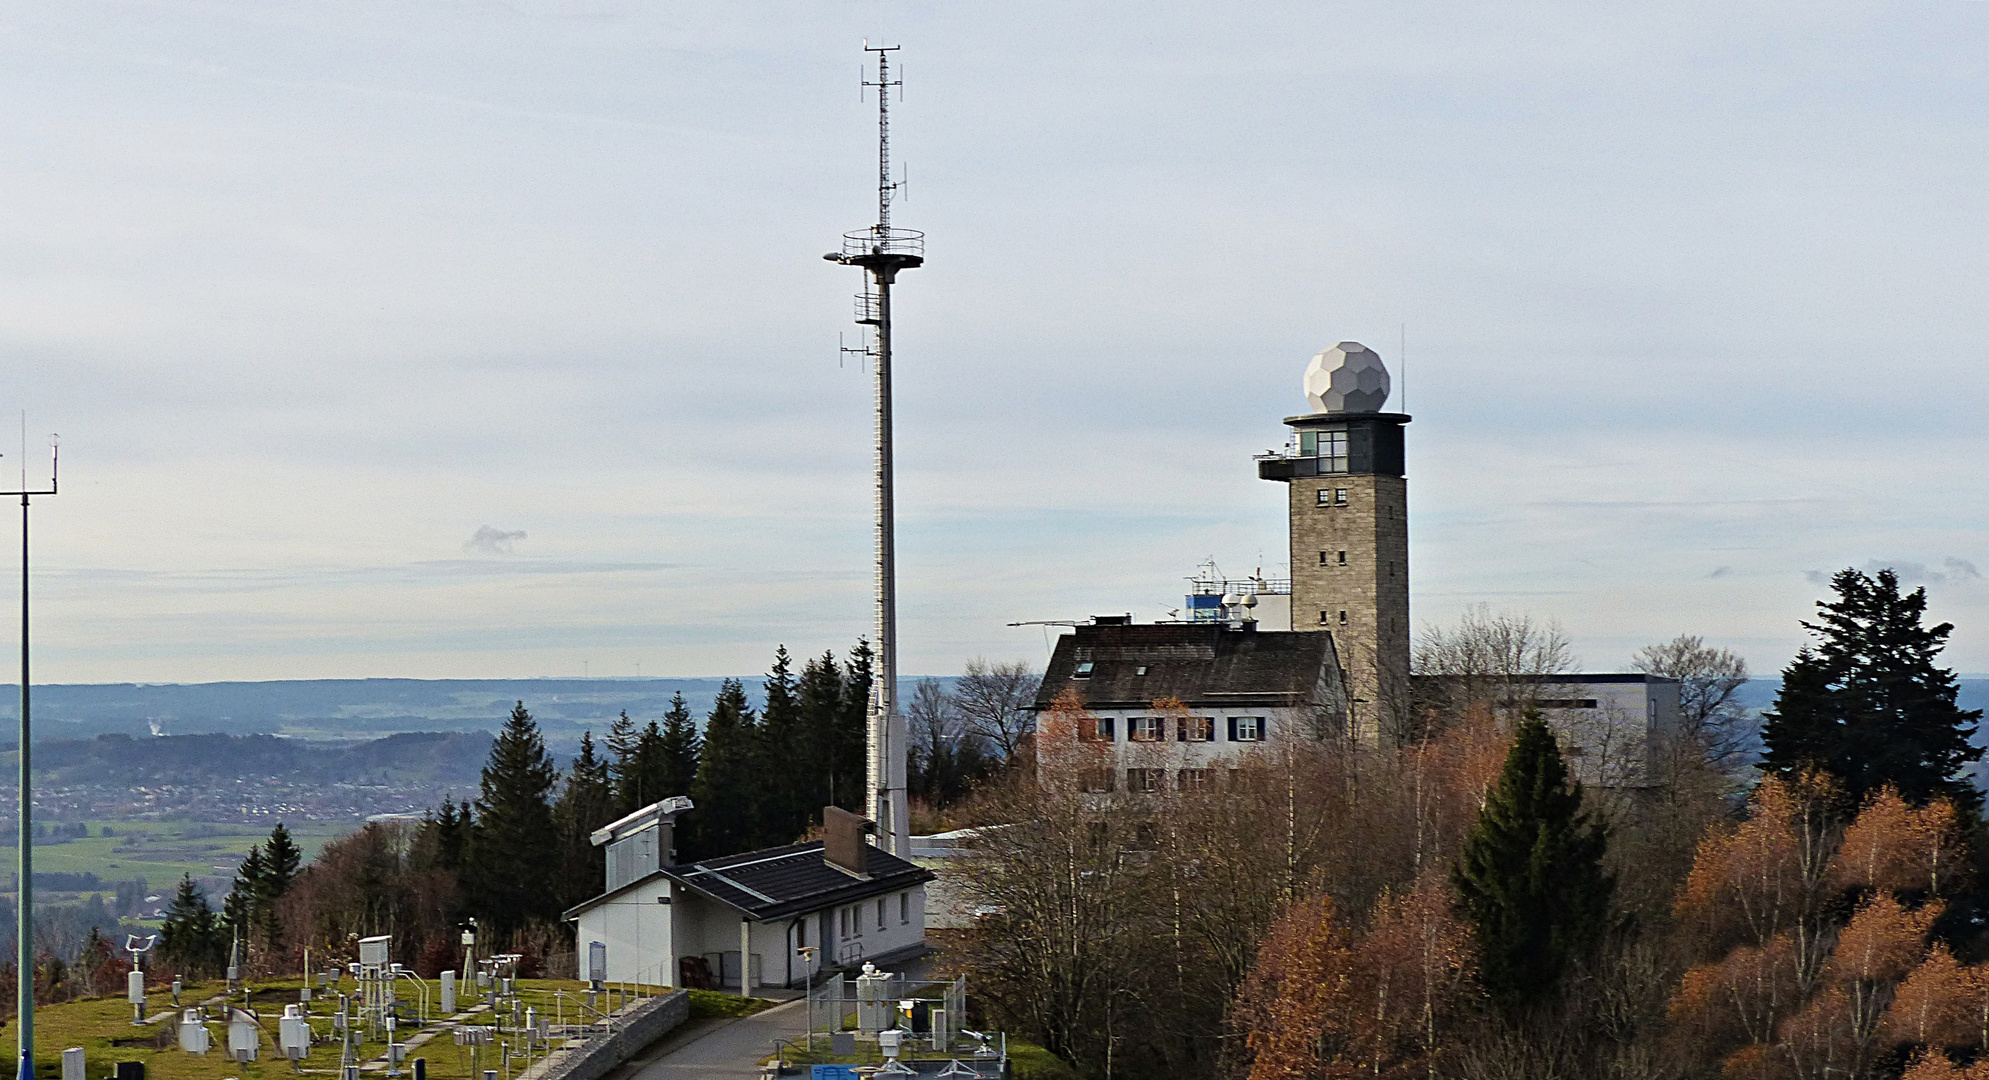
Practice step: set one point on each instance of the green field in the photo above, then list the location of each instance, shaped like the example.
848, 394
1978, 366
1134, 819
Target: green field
161, 851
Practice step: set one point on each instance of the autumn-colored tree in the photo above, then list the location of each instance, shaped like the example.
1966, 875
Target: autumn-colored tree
1324, 1001
1791, 986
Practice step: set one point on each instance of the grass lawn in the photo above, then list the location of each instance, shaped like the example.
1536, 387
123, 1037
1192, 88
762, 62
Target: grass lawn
1031, 1062
103, 1028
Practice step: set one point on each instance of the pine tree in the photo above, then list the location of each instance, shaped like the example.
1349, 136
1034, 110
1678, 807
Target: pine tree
1868, 705
852, 733
784, 809
624, 767
513, 850
678, 745
281, 861
729, 783
816, 764
452, 828
191, 939
586, 804
1530, 878
242, 909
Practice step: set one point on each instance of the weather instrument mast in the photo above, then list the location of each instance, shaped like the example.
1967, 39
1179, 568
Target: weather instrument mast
24, 926
881, 251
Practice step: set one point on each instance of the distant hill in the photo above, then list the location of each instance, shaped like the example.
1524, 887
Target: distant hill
356, 709
334, 709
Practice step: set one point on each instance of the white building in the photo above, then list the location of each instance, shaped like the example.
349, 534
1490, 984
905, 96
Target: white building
703, 924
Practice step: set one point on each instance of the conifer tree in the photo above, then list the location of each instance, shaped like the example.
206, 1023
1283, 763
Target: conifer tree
1530, 878
729, 782
817, 763
281, 860
191, 939
585, 804
852, 733
784, 809
242, 909
452, 828
512, 850
624, 764
1868, 705
678, 745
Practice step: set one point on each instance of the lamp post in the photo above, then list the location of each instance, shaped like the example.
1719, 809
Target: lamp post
24, 927
807, 954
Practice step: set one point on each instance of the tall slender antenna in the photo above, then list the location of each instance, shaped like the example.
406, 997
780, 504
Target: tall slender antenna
881, 251
24, 914
885, 184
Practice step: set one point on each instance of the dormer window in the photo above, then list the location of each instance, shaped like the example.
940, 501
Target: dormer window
1083, 671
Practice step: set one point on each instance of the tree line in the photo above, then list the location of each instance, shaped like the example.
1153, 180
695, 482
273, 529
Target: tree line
1453, 902
519, 853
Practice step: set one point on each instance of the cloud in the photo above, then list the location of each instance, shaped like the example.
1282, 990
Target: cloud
493, 541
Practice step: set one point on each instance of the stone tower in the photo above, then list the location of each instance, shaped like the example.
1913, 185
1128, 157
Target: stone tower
1350, 530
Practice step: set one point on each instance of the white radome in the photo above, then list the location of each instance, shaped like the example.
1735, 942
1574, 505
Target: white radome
1349, 377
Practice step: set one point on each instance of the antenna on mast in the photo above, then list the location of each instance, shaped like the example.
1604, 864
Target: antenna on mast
882, 251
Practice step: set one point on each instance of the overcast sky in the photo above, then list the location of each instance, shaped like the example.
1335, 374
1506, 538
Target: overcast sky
459, 338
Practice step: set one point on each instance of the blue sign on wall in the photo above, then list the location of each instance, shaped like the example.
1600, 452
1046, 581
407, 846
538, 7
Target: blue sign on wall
831, 1072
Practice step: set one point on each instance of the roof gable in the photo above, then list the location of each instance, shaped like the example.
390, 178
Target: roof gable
776, 882
1201, 664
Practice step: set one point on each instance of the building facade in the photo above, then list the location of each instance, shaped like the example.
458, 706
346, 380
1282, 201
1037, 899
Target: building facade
1172, 706
774, 917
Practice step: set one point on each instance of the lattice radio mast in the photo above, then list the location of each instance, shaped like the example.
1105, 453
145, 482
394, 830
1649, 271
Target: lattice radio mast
882, 250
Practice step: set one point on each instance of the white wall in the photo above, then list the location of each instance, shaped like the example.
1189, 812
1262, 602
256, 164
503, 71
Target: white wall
1286, 725
637, 931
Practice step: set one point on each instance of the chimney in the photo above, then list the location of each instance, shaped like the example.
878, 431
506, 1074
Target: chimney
843, 843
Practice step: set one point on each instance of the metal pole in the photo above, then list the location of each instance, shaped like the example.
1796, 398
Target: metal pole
24, 928
884, 686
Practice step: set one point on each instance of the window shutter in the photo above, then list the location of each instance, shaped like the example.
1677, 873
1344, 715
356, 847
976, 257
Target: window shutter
1232, 729
1264, 728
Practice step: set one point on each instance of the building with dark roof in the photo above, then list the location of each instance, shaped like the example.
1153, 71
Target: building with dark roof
709, 922
1239, 688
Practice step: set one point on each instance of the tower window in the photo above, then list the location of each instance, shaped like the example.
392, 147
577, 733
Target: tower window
1343, 617
1322, 558
1343, 558
1339, 496
1325, 617
1330, 447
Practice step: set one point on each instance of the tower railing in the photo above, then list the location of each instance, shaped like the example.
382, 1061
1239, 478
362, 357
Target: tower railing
885, 240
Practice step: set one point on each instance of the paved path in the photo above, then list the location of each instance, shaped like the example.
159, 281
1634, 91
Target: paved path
718, 1049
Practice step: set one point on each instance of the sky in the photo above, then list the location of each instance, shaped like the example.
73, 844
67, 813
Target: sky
454, 338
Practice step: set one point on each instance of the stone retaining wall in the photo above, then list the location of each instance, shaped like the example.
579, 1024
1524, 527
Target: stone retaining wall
635, 1027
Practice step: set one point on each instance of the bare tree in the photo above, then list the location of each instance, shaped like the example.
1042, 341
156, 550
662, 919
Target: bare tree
1500, 660
945, 757
995, 700
1709, 716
